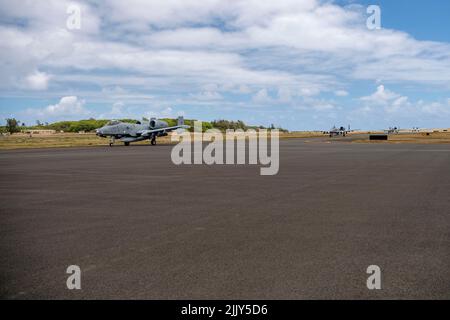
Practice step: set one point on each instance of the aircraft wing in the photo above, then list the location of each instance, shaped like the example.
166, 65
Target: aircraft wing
147, 133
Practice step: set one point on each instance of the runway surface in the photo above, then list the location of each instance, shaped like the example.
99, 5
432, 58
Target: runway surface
142, 228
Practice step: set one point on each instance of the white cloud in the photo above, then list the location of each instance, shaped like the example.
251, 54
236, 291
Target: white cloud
387, 106
262, 97
166, 112
143, 51
246, 90
392, 102
174, 40
341, 93
381, 96
67, 107
308, 92
434, 108
398, 104
207, 95
37, 80
51, 14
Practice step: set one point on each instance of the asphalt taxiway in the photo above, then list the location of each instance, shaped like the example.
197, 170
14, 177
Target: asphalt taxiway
142, 228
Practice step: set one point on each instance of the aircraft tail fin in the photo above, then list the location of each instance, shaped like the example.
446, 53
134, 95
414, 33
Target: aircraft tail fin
180, 121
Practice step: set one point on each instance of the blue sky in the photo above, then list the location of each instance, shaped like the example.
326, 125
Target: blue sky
300, 64
424, 20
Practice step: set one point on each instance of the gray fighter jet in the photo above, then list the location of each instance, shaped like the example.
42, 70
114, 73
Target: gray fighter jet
392, 130
133, 132
338, 131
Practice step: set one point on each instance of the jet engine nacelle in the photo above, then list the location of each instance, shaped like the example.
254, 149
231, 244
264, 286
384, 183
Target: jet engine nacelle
157, 124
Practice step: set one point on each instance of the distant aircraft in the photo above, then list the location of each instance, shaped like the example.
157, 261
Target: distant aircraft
134, 132
392, 130
338, 131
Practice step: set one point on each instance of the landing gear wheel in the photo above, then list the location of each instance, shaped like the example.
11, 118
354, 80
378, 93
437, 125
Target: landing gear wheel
126, 144
110, 144
153, 142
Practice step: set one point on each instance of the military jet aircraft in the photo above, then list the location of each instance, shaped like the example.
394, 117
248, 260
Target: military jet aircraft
134, 132
338, 131
392, 130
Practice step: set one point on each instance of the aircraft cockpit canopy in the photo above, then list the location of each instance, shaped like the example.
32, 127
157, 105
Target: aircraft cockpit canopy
113, 123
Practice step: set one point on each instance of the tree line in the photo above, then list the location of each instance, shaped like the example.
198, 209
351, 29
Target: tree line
89, 125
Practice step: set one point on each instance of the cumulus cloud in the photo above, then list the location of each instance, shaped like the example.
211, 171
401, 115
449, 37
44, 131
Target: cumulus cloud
392, 102
67, 108
381, 96
178, 39
386, 105
434, 108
